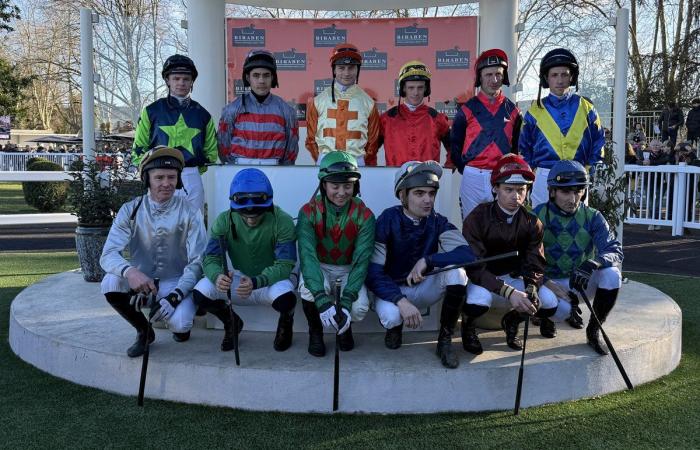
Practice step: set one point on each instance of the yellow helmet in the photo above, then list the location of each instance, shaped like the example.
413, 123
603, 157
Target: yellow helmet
414, 71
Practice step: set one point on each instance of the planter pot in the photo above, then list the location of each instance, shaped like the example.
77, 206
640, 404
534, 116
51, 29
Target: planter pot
89, 242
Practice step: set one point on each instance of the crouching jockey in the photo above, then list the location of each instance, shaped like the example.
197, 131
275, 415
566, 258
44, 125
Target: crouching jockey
165, 238
498, 227
336, 238
412, 239
581, 251
260, 241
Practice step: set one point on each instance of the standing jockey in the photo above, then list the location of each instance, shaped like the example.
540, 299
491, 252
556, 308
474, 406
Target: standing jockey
501, 226
336, 237
413, 131
581, 251
563, 125
258, 127
343, 117
484, 129
179, 122
412, 239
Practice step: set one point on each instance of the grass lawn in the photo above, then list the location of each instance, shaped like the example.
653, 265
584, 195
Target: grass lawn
43, 411
12, 200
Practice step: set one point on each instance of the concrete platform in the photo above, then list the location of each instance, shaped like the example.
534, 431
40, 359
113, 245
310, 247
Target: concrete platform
63, 326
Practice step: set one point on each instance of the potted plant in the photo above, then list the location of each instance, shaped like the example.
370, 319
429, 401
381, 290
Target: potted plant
95, 194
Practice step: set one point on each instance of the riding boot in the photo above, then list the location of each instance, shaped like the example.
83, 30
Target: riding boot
181, 337
283, 337
120, 302
470, 339
602, 305
510, 323
316, 344
548, 328
345, 341
575, 320
394, 337
223, 312
451, 305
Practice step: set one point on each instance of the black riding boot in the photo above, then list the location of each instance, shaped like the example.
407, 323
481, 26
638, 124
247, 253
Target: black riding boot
510, 323
451, 306
120, 302
602, 305
575, 319
470, 340
345, 341
285, 304
316, 345
548, 328
223, 312
394, 337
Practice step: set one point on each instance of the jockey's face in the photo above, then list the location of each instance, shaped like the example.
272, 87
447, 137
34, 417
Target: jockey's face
510, 196
559, 79
491, 80
339, 193
161, 184
568, 198
180, 84
415, 92
260, 80
419, 202
346, 74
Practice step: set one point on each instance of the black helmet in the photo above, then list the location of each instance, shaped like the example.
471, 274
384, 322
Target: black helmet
257, 59
555, 58
179, 64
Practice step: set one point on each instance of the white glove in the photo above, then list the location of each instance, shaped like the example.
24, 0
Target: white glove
328, 318
165, 308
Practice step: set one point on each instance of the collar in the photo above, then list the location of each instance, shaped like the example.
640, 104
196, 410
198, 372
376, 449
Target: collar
485, 99
413, 108
413, 220
179, 101
556, 100
343, 88
159, 208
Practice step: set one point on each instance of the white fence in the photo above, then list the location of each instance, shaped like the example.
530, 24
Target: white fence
11, 162
663, 195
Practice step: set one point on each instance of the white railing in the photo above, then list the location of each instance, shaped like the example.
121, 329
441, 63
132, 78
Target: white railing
663, 195
11, 162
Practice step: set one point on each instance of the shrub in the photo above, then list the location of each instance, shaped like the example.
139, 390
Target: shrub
46, 196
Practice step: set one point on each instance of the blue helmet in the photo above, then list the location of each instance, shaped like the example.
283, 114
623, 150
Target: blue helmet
567, 173
250, 190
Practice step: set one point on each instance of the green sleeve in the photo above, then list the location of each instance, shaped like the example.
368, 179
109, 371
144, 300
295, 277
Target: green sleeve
364, 248
213, 263
308, 259
285, 252
142, 137
211, 150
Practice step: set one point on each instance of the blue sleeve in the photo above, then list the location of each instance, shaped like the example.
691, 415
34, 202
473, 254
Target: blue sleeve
457, 136
608, 248
377, 280
452, 247
597, 136
526, 140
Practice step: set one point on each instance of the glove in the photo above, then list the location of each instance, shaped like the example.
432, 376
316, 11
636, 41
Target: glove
139, 300
165, 307
340, 321
582, 275
533, 295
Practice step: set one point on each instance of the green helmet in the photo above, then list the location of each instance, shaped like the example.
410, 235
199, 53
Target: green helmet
339, 167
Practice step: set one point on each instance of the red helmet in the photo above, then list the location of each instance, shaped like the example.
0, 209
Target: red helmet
346, 53
494, 57
512, 169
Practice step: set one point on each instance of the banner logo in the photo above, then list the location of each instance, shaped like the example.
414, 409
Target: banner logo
290, 60
374, 60
452, 59
248, 37
320, 85
239, 89
410, 36
329, 36
448, 108
300, 109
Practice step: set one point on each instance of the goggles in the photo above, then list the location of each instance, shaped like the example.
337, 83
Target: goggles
249, 198
571, 177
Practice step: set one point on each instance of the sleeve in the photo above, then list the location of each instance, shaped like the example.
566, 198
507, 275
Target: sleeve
213, 253
308, 259
364, 247
378, 281
142, 138
196, 243
291, 131
225, 132
457, 135
517, 127
526, 138
210, 143
311, 128
118, 239
443, 133
535, 262
285, 254
382, 131
452, 248
597, 136
372, 146
472, 230
608, 248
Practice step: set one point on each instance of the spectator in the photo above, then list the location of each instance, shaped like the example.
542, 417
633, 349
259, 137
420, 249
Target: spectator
636, 137
693, 122
632, 156
670, 121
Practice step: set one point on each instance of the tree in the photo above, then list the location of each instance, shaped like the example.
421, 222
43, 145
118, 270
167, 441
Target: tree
11, 85
8, 12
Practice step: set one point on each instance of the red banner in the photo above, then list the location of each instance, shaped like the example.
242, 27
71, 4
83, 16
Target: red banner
302, 49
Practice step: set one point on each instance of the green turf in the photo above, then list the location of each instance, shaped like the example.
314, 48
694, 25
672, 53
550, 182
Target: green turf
12, 200
43, 411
